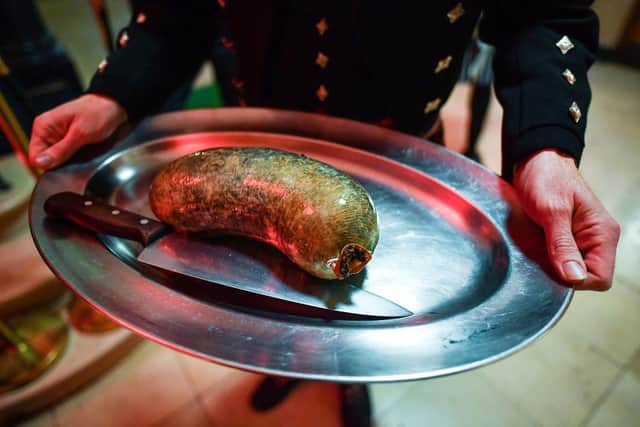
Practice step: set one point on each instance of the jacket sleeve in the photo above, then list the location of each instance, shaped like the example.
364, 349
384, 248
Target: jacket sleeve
163, 45
543, 51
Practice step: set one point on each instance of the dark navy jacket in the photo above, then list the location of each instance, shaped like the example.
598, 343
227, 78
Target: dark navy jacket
388, 62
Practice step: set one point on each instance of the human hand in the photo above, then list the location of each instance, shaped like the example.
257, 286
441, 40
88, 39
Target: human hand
58, 133
581, 236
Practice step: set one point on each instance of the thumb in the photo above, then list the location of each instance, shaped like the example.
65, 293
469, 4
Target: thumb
563, 251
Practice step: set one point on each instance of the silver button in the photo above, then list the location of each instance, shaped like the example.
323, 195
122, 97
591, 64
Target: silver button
144, 221
123, 40
565, 45
115, 212
88, 203
568, 76
432, 105
443, 64
575, 112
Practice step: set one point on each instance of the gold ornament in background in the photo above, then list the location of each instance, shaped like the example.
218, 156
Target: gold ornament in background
85, 318
30, 344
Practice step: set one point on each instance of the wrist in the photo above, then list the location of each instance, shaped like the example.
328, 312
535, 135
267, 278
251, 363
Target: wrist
115, 111
547, 156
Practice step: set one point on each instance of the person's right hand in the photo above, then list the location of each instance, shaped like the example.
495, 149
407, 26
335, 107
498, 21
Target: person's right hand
58, 133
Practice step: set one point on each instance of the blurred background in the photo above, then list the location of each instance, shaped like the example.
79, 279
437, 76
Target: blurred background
63, 364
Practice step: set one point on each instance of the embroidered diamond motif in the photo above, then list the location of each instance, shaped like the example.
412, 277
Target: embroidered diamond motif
322, 93
322, 60
322, 26
455, 13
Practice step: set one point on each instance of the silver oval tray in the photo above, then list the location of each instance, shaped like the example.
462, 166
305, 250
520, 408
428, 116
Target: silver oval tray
455, 249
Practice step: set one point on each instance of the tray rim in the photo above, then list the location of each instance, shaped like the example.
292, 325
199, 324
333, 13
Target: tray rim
81, 172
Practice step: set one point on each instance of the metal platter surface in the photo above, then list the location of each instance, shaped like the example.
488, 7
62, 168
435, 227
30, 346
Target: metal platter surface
455, 249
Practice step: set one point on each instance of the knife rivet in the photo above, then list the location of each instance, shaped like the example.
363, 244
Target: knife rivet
88, 203
144, 221
115, 212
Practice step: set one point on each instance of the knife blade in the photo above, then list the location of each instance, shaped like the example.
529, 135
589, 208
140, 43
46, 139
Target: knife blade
236, 263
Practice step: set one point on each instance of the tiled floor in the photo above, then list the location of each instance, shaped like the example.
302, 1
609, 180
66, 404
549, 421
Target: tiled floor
584, 372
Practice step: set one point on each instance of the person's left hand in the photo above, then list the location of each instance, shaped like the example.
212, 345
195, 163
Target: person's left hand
581, 235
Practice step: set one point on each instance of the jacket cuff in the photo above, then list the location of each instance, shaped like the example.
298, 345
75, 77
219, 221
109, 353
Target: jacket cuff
123, 93
540, 138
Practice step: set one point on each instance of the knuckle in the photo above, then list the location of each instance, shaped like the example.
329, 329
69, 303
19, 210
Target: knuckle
81, 131
615, 228
40, 121
597, 283
102, 133
607, 222
610, 230
563, 243
553, 211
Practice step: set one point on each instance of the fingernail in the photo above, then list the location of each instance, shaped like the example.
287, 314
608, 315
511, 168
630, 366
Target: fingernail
44, 160
574, 271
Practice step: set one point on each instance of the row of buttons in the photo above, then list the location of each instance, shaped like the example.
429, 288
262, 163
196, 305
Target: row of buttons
123, 41
322, 60
453, 15
565, 45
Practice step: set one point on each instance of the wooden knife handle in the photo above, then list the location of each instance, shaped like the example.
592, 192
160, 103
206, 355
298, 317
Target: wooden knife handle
101, 217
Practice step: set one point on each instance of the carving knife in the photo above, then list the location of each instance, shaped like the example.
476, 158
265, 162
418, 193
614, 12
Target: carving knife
243, 265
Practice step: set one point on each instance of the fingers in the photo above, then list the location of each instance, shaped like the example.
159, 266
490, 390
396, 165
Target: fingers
59, 133
48, 129
37, 146
600, 274
51, 150
59, 152
597, 237
563, 250
582, 243
43, 134
581, 236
